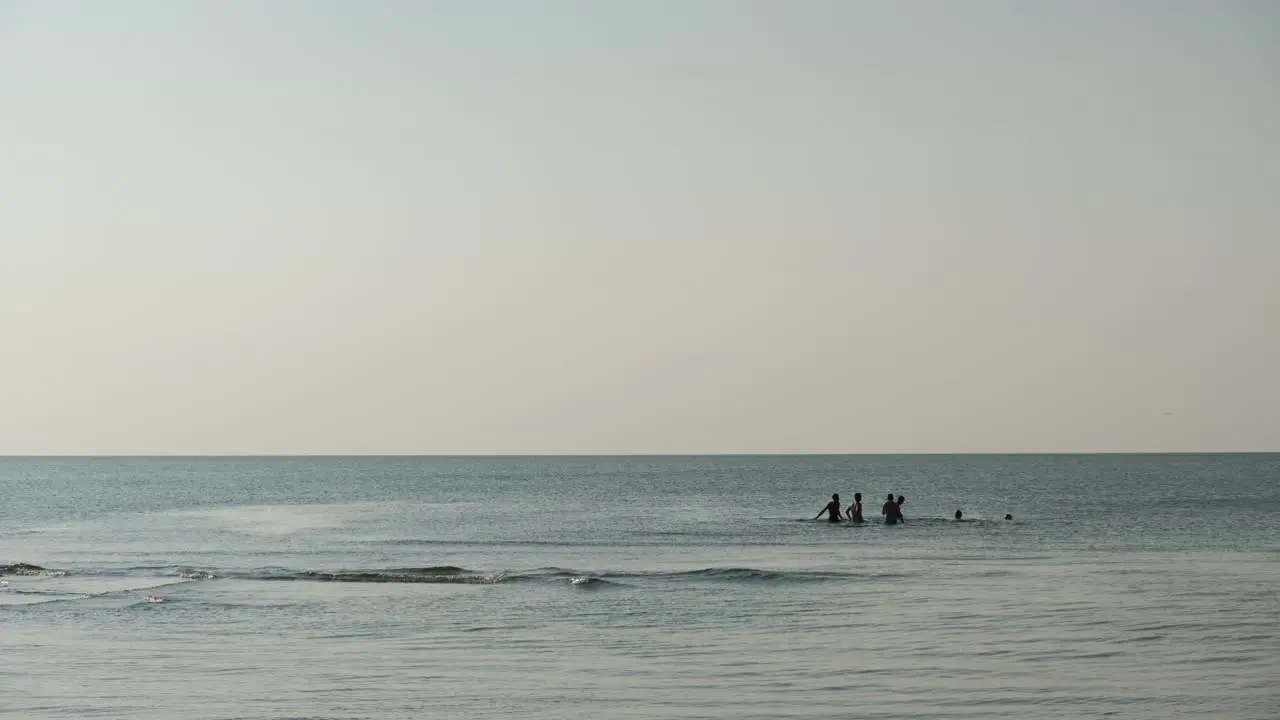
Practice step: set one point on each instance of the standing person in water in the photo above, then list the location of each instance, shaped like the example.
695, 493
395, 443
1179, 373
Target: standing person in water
890, 511
901, 518
855, 510
832, 508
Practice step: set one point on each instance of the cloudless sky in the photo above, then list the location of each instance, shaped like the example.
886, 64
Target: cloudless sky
630, 227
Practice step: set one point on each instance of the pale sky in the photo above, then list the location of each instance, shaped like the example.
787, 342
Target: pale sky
639, 227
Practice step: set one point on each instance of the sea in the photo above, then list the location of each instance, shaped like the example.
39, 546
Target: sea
1129, 586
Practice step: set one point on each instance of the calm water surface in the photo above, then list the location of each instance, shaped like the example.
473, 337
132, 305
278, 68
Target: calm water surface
1125, 586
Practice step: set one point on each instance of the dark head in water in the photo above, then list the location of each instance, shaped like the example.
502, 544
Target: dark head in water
901, 499
857, 497
1008, 516
959, 514
835, 496
889, 497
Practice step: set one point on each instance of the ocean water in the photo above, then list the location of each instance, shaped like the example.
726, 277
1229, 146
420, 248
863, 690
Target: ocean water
672, 587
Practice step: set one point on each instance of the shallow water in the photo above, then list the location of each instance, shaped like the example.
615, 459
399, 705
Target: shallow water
1129, 586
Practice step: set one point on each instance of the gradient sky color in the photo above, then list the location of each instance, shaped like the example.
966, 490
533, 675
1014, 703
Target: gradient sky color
639, 227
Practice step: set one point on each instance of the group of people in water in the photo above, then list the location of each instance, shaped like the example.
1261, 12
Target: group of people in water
891, 510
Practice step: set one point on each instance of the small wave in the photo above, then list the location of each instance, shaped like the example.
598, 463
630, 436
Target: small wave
164, 571
729, 574
438, 570
588, 582
187, 573
449, 574
442, 574
740, 574
453, 574
748, 574
65, 594
152, 599
28, 569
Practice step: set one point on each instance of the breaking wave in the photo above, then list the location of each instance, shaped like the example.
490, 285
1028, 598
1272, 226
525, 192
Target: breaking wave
28, 569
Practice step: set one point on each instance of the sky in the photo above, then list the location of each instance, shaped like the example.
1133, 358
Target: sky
485, 227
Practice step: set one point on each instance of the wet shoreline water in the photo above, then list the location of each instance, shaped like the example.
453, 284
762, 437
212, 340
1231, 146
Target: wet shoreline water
640, 587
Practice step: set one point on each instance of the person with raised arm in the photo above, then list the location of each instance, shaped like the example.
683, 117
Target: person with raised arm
832, 508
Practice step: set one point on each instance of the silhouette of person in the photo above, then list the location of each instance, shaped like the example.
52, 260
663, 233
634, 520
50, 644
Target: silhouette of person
855, 510
959, 514
832, 509
891, 512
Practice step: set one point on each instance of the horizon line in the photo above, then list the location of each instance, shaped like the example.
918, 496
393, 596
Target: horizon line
627, 455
